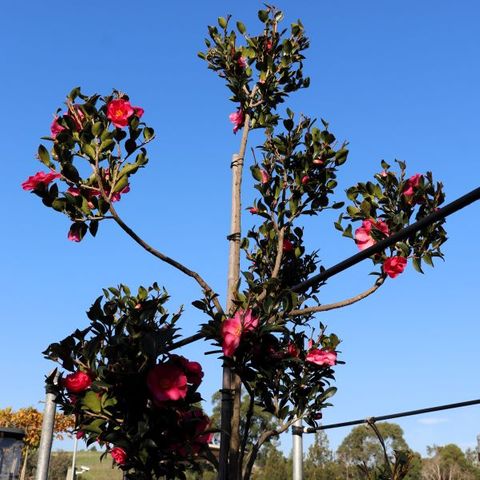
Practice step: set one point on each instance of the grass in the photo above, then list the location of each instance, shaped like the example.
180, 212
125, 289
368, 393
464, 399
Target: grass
99, 470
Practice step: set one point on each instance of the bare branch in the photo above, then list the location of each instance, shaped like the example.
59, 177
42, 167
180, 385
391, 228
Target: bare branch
263, 438
343, 303
165, 258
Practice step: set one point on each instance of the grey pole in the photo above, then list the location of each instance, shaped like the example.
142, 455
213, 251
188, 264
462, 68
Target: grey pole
47, 436
297, 455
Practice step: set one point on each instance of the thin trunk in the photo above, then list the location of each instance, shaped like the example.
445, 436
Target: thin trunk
226, 471
24, 466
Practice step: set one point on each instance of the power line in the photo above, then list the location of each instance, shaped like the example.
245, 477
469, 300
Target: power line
440, 214
408, 413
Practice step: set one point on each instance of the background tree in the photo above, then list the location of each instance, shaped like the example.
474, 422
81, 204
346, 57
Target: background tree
448, 463
30, 420
274, 467
319, 463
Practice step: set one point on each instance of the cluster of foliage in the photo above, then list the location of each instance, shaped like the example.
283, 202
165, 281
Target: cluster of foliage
126, 390
360, 457
30, 421
57, 467
125, 387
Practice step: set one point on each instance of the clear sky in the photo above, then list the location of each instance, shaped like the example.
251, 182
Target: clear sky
395, 79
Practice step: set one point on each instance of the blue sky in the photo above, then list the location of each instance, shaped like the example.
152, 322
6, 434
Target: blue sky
395, 79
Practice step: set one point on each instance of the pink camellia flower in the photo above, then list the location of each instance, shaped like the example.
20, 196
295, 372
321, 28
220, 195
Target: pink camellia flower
76, 113
119, 111
288, 246
242, 62
253, 210
268, 45
119, 455
73, 191
167, 382
77, 382
363, 237
322, 357
75, 232
233, 329
138, 111
40, 178
394, 266
237, 118
193, 370
412, 184
55, 127
265, 177
305, 180
118, 195
318, 161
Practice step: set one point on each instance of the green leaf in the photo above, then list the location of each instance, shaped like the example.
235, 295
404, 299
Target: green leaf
241, 27
417, 264
93, 227
44, 156
97, 129
121, 183
348, 231
91, 402
263, 15
89, 150
148, 133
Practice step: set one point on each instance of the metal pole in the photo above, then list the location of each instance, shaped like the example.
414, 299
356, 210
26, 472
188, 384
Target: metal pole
74, 458
47, 435
436, 216
297, 454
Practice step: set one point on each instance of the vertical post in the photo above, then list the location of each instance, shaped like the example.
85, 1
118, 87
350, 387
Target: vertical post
478, 447
297, 455
47, 435
74, 460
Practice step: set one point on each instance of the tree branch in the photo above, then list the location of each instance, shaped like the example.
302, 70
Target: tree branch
165, 258
263, 438
156, 253
343, 303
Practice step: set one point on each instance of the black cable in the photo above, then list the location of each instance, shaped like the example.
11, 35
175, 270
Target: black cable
440, 214
394, 415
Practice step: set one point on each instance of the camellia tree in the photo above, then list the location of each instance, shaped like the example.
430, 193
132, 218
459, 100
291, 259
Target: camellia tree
120, 377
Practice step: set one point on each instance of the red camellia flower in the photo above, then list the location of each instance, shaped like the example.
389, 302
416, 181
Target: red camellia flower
322, 357
305, 179
394, 266
138, 111
253, 210
167, 382
412, 184
193, 370
363, 237
288, 246
40, 178
292, 350
80, 434
237, 118
77, 382
233, 329
265, 177
119, 455
75, 232
242, 62
55, 127
119, 111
